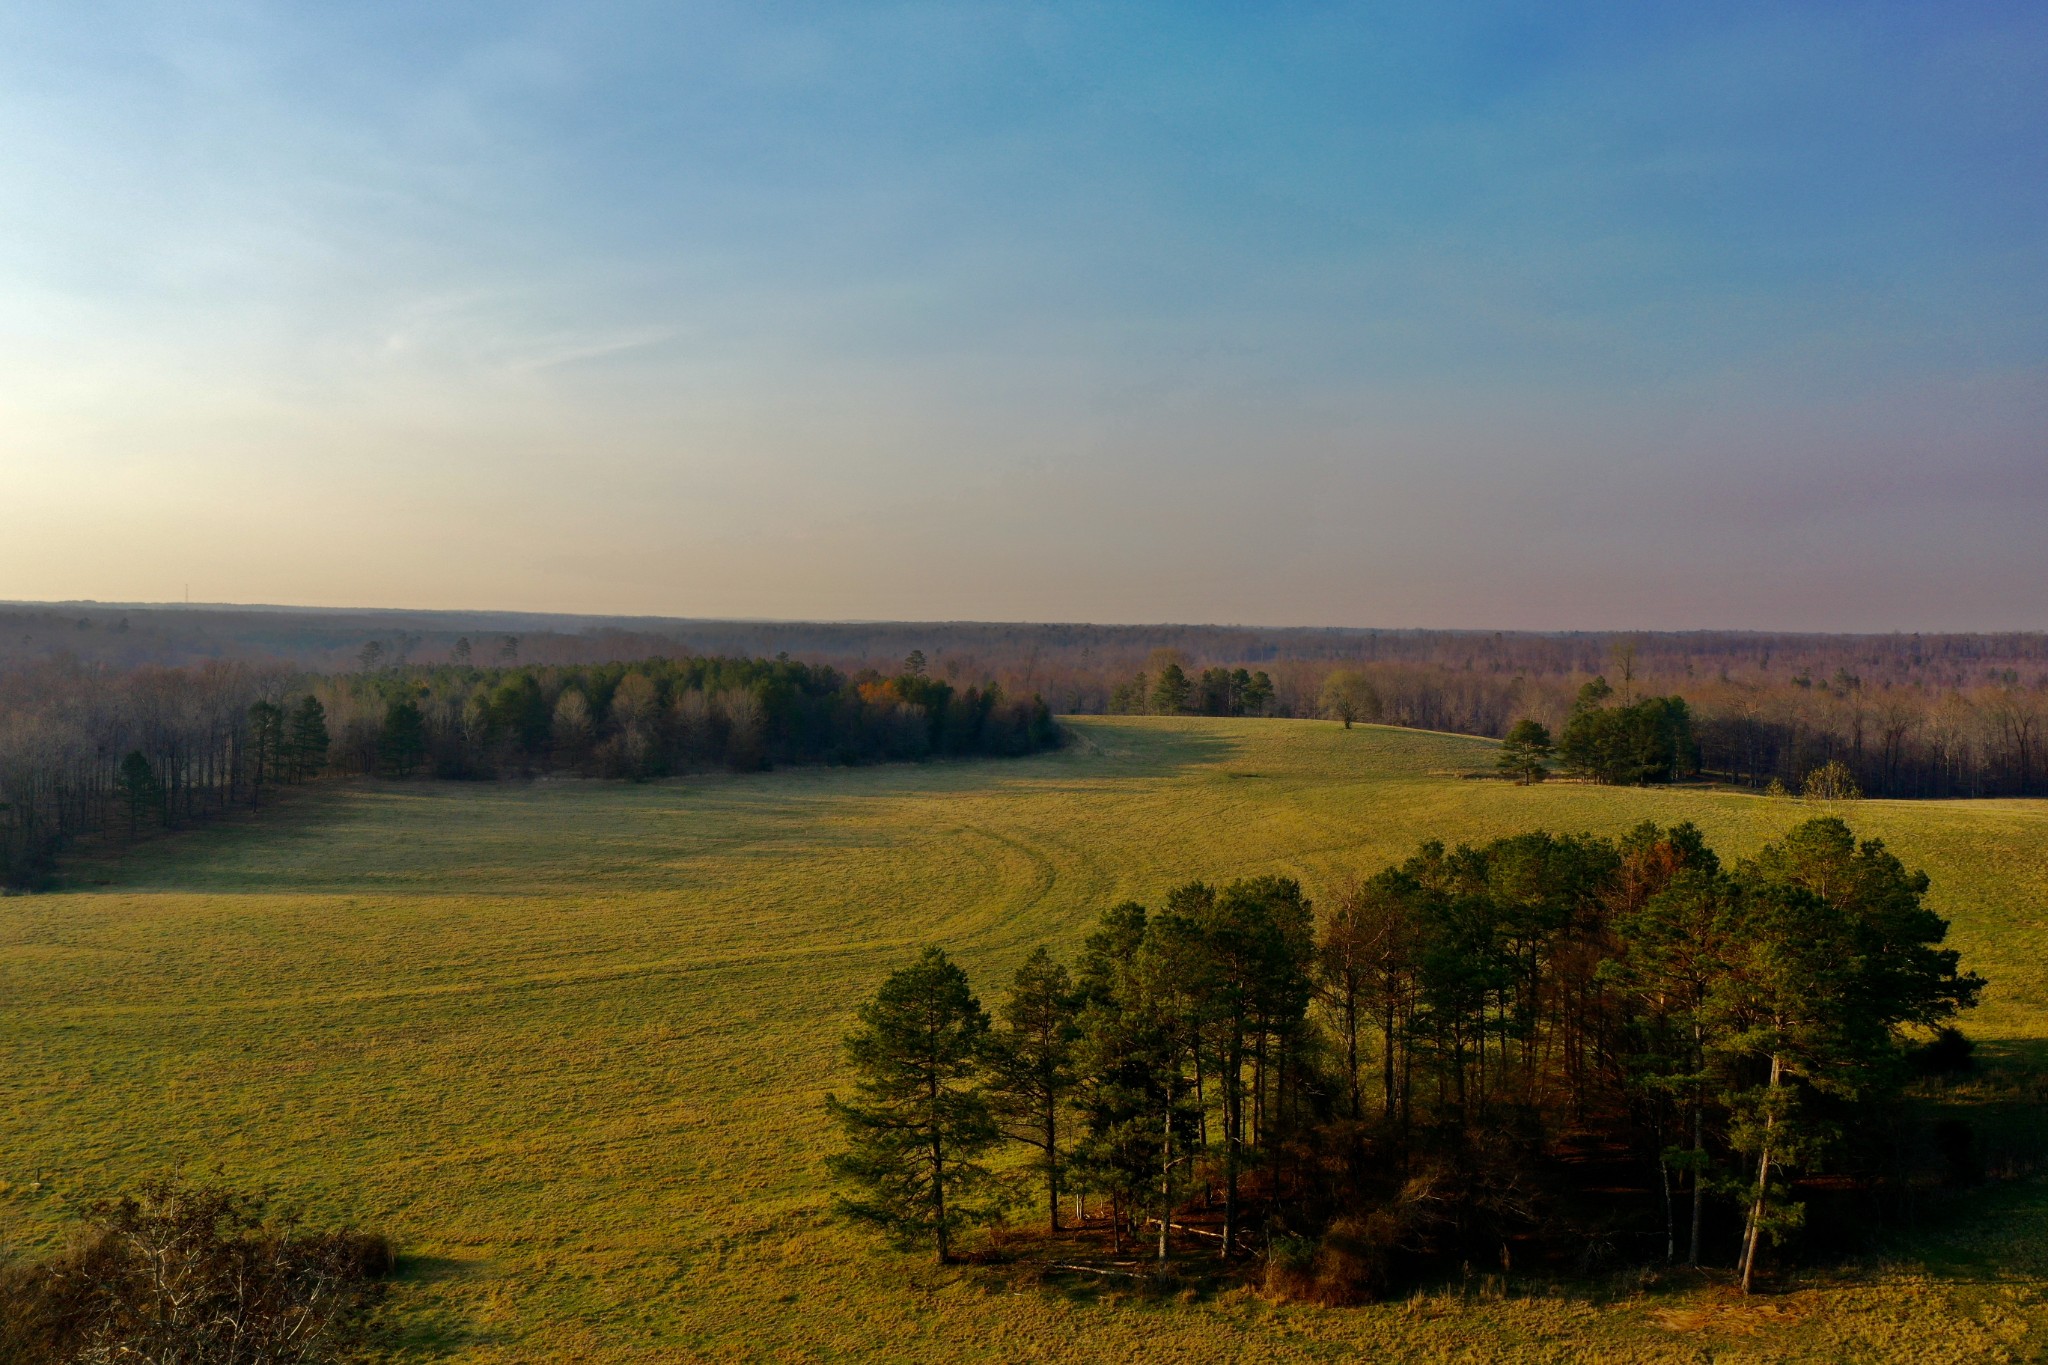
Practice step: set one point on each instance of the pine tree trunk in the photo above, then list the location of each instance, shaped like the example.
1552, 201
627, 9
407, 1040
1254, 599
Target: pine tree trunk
1699, 1142
1699, 1184
1052, 1162
1233, 1117
1387, 1060
1754, 1233
939, 1175
1166, 1177
1351, 1051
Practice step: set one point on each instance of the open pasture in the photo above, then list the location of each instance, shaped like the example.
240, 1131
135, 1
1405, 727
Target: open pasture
567, 1041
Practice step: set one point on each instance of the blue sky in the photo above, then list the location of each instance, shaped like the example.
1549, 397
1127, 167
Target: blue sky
1518, 316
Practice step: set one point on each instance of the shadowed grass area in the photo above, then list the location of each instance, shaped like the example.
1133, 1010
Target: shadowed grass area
568, 1041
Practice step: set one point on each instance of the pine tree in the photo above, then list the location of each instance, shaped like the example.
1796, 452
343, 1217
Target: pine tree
266, 745
309, 740
1677, 947
402, 743
1170, 695
138, 787
918, 1118
1525, 752
1031, 1064
1839, 956
1258, 694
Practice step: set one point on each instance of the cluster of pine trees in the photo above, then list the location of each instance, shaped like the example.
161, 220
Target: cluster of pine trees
1171, 691
662, 716
1633, 743
1546, 1049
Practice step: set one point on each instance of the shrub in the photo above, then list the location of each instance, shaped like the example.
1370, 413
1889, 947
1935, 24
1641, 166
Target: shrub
1831, 781
194, 1273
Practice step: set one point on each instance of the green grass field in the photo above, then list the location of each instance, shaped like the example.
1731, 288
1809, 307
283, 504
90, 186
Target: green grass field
567, 1041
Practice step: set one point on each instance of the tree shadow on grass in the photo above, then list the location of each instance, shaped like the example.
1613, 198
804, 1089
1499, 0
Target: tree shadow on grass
414, 1330
1140, 751
1998, 1230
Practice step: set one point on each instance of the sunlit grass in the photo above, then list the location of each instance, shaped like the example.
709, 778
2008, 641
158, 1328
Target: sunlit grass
567, 1041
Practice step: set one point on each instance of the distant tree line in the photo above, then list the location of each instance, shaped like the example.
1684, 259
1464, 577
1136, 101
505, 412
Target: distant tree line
1908, 715
1546, 1051
662, 716
96, 751
88, 751
1981, 736
1073, 665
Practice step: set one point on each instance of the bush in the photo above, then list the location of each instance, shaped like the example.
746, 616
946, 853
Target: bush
1831, 781
1350, 1264
194, 1273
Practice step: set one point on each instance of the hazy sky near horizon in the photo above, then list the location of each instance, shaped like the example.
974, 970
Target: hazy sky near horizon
1545, 316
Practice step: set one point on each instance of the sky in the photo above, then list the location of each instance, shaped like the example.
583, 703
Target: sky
1546, 316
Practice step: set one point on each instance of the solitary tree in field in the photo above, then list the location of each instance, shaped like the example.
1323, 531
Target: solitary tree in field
1349, 696
1525, 752
918, 1118
1031, 1064
1831, 781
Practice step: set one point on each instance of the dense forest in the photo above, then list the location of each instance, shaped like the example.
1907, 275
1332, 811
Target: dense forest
1549, 1052
1908, 715
87, 750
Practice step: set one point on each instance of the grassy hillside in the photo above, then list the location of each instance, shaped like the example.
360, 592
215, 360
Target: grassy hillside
568, 1041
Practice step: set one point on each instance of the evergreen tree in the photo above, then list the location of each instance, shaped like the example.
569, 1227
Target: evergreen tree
266, 745
1525, 752
1257, 694
1256, 940
1839, 957
918, 1118
402, 743
1677, 948
1031, 1064
309, 739
1170, 695
1118, 1082
139, 788
1648, 741
1127, 698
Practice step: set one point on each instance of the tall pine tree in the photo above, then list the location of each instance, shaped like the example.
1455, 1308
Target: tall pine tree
919, 1116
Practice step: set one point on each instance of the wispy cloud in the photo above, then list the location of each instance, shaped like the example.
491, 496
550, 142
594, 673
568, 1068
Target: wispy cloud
1476, 318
